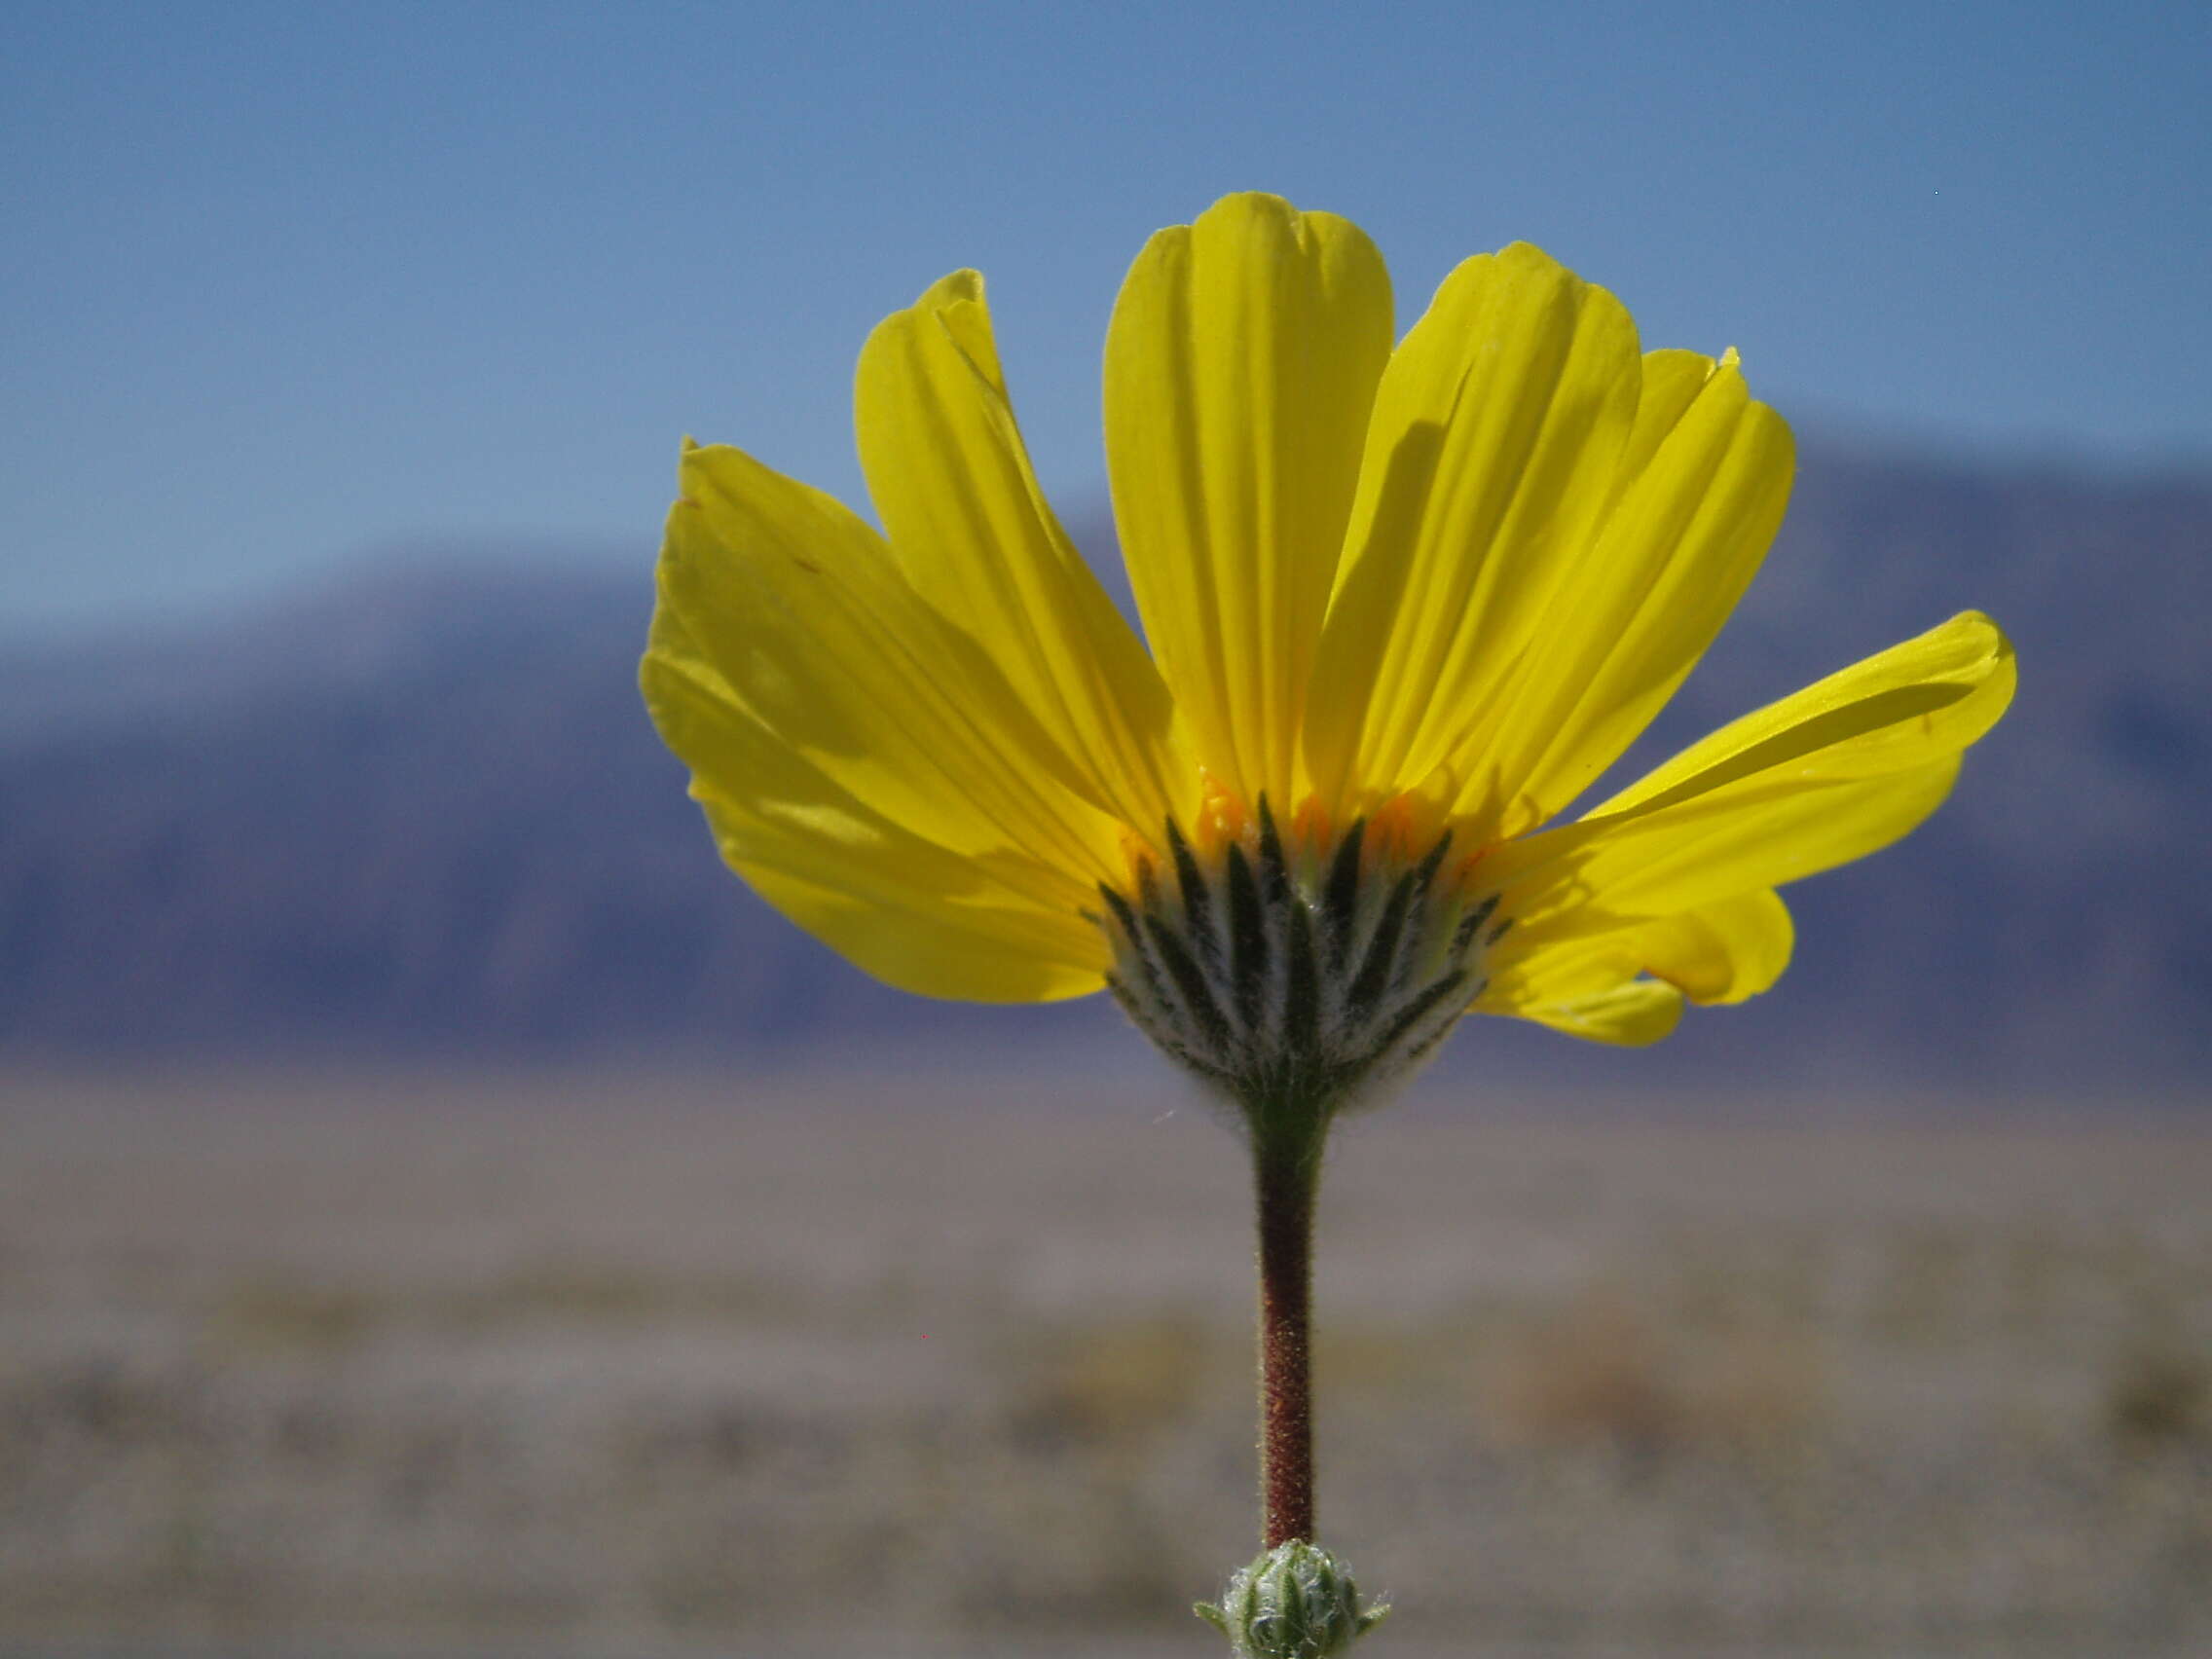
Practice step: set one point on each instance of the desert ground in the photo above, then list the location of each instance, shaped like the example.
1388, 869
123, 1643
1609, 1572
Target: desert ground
920, 1362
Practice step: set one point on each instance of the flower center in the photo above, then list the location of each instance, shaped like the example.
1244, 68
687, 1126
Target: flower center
1295, 973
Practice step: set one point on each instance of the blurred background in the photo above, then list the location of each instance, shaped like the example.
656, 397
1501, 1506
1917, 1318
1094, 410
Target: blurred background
442, 1213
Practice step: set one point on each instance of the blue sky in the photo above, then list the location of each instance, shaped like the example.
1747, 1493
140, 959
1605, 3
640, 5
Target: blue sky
289, 285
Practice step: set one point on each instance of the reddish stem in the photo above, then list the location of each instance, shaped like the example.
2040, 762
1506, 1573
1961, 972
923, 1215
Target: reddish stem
1287, 1171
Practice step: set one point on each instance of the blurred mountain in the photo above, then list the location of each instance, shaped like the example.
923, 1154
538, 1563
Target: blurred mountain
421, 813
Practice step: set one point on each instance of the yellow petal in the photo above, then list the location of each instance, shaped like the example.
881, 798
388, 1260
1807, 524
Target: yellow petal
1827, 775
988, 925
972, 532
1722, 952
796, 607
1491, 455
1703, 488
1762, 832
1631, 1015
1919, 700
1241, 365
924, 948
909, 913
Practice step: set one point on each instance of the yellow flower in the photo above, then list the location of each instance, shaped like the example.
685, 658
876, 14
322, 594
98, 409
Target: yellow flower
1405, 605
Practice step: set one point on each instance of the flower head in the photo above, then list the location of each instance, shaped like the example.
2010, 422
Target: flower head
1405, 602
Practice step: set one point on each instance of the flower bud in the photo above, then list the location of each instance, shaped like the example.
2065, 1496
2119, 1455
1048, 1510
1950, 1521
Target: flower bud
1296, 1602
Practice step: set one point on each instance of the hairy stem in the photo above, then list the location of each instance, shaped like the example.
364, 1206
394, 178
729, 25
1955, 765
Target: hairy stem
1287, 1169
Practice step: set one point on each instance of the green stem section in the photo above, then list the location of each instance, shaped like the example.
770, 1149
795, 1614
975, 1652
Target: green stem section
1286, 1162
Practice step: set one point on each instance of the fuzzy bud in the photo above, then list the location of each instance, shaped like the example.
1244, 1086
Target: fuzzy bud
1296, 1602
